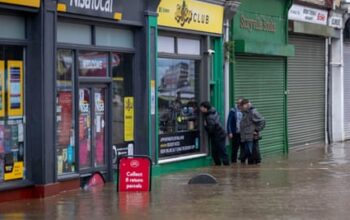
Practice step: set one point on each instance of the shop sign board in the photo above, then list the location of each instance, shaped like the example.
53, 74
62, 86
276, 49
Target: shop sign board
335, 22
27, 3
178, 143
191, 15
307, 14
97, 8
134, 174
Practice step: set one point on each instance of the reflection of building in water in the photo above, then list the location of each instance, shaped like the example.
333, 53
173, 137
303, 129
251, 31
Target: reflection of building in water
176, 76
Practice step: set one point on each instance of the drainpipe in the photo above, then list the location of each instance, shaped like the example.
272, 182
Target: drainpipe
231, 7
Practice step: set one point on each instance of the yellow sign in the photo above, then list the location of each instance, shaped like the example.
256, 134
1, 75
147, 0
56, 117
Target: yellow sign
14, 172
2, 88
191, 15
15, 88
29, 3
128, 118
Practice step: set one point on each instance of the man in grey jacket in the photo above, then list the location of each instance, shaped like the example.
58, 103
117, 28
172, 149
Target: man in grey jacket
252, 124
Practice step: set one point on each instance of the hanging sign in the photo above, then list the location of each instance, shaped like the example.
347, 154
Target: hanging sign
307, 14
191, 15
28, 3
134, 174
15, 88
97, 8
128, 118
2, 88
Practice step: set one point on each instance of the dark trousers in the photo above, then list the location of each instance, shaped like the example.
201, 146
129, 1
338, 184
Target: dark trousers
218, 151
251, 152
236, 145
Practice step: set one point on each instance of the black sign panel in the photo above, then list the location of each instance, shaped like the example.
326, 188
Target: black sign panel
178, 143
97, 8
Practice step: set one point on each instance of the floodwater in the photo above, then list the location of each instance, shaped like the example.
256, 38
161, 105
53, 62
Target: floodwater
313, 183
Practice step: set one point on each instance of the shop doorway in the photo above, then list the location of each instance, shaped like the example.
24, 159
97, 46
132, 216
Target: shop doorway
92, 128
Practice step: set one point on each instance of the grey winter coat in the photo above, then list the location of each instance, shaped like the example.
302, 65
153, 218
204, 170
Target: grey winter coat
251, 122
213, 125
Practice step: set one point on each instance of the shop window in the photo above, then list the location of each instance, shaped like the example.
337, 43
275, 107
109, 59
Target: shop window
114, 37
12, 133
93, 64
188, 46
122, 88
73, 33
12, 27
65, 141
166, 44
178, 106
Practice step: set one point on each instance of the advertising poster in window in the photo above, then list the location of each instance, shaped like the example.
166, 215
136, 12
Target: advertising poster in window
64, 119
129, 118
2, 88
178, 143
178, 107
15, 88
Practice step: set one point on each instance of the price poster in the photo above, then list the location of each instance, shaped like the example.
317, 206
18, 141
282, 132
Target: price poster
15, 88
2, 88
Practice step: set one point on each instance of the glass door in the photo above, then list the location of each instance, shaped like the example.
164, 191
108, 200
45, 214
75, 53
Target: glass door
92, 129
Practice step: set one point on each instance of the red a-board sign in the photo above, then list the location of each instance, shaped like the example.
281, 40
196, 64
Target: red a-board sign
134, 174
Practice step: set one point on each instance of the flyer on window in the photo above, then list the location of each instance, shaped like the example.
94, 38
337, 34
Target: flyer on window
15, 88
2, 88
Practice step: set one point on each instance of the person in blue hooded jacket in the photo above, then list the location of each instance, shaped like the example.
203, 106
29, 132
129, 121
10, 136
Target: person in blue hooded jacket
234, 131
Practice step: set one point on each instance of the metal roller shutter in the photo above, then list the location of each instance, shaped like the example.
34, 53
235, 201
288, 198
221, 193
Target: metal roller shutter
261, 80
347, 90
306, 85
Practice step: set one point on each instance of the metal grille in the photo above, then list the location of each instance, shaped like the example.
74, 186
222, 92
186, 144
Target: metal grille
261, 80
347, 90
306, 85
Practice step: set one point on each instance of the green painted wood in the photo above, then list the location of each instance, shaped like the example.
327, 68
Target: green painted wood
262, 80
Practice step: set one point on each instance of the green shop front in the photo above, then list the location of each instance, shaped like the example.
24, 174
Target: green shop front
189, 70
259, 67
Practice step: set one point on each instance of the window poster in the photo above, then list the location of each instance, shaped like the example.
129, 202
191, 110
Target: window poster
129, 118
65, 123
1, 167
2, 88
15, 88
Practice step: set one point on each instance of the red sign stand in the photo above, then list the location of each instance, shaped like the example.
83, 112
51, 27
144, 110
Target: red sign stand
134, 174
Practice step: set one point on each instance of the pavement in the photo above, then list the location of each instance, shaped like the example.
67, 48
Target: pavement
312, 183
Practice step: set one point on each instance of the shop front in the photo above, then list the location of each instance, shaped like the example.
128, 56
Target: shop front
309, 31
98, 60
189, 70
16, 72
259, 70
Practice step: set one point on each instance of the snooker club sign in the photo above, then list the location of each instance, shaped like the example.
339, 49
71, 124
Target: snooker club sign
97, 8
191, 15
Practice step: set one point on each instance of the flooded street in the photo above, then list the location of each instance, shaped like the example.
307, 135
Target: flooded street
308, 184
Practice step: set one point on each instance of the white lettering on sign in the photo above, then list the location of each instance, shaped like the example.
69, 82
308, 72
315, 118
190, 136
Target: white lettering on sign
307, 14
95, 5
92, 64
134, 174
336, 22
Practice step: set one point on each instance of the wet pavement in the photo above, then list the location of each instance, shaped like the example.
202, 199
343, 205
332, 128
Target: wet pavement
312, 183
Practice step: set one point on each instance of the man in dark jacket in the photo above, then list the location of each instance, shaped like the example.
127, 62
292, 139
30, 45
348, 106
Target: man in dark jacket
234, 131
251, 125
216, 133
